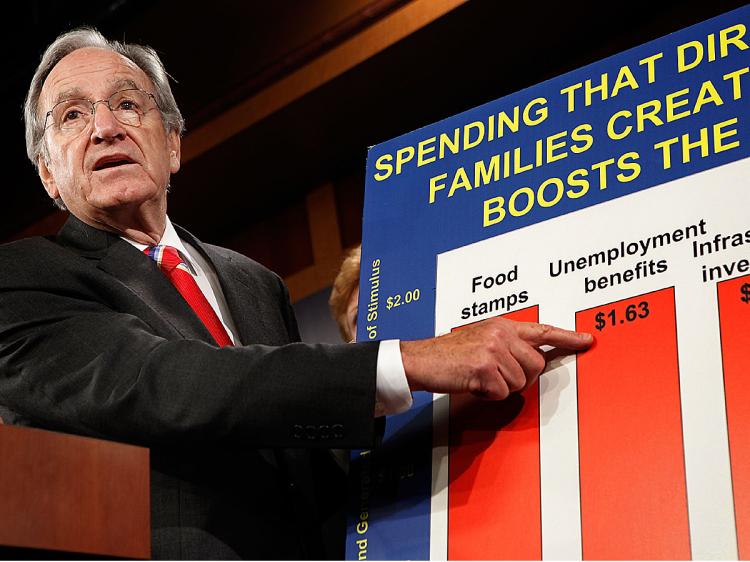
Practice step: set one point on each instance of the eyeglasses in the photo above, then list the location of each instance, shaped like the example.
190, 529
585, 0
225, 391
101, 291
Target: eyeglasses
73, 116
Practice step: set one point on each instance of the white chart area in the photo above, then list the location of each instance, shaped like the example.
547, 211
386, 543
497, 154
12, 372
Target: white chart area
718, 199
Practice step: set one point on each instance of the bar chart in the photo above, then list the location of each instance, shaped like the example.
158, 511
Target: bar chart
734, 318
494, 510
632, 477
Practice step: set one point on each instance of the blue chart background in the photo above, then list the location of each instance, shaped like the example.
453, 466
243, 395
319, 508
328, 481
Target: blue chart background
406, 233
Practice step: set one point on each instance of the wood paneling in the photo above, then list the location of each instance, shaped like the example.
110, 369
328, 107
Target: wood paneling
329, 65
350, 203
73, 494
281, 241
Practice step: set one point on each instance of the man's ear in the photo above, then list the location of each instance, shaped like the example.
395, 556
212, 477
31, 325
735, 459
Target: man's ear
47, 179
173, 141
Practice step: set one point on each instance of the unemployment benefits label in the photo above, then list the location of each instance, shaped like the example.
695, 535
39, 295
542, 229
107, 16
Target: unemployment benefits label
612, 200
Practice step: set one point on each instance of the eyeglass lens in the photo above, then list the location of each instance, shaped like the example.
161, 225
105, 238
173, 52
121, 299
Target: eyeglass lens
128, 106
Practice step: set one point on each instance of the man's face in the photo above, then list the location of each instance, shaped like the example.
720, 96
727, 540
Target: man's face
108, 166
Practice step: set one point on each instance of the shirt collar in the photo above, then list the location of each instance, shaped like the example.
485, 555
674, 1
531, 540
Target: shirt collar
169, 238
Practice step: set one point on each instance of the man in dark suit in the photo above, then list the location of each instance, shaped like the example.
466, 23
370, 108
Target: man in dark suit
101, 335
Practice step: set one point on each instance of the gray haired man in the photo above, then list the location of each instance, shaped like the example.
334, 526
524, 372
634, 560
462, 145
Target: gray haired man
98, 338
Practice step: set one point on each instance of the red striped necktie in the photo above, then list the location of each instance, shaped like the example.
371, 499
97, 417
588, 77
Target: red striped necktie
171, 263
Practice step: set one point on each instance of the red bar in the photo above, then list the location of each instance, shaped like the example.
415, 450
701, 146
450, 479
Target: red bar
633, 493
734, 319
494, 510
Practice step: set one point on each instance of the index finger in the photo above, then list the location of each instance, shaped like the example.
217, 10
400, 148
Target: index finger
544, 334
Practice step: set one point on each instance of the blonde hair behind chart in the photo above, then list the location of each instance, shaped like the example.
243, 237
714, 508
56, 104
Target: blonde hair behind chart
344, 285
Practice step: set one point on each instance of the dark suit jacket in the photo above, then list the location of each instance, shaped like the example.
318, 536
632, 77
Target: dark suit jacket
94, 340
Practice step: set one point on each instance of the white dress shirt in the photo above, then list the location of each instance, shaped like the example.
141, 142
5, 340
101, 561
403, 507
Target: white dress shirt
392, 389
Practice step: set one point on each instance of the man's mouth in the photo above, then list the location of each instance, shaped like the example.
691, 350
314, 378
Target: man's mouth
112, 162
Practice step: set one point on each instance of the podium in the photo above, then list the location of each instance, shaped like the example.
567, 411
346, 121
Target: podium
64, 496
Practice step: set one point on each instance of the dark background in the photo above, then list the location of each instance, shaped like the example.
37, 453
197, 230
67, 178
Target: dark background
249, 191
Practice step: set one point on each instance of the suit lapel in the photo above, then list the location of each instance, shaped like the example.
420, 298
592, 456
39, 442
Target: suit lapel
241, 296
240, 292
137, 272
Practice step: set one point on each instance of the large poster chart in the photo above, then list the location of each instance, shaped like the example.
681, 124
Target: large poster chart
612, 200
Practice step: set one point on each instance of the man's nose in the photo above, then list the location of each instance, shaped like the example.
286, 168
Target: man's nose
105, 126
